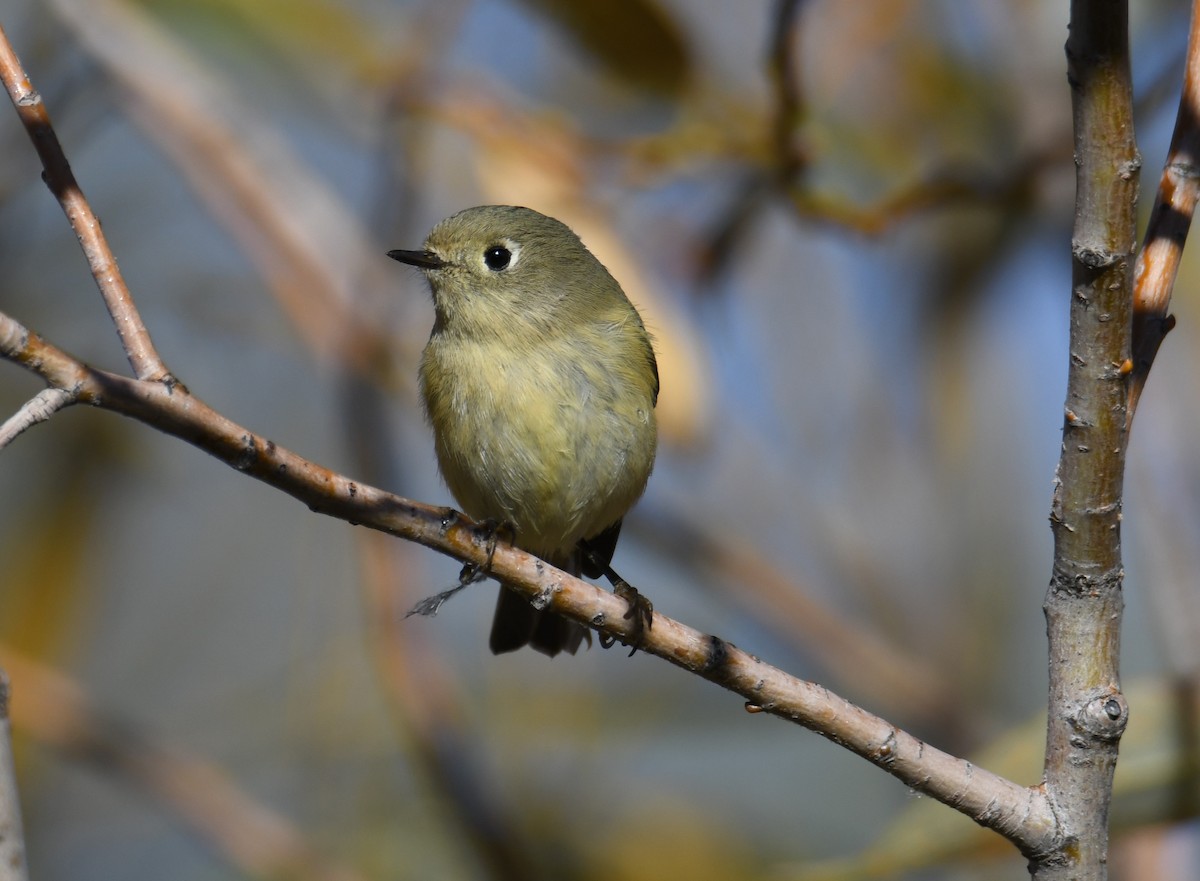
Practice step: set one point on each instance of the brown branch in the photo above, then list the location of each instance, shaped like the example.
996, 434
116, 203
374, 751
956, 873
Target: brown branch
1170, 220
1021, 814
1087, 712
134, 337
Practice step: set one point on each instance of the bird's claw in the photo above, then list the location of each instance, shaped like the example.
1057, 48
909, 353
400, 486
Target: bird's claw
640, 613
492, 531
472, 573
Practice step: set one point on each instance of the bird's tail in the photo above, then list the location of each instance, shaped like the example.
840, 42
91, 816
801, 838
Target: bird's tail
517, 624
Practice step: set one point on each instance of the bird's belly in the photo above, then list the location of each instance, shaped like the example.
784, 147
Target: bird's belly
556, 447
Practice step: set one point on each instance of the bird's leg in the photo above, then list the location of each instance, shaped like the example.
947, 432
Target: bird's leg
473, 572
640, 611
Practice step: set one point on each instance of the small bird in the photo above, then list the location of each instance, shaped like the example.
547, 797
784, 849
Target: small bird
539, 381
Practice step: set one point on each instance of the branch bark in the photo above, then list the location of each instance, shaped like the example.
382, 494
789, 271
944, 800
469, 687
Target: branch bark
1087, 712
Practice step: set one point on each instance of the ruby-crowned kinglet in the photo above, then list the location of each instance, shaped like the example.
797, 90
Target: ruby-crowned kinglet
540, 382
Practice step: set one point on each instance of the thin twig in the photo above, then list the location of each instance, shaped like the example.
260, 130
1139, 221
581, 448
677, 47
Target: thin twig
37, 409
1170, 220
1021, 814
134, 337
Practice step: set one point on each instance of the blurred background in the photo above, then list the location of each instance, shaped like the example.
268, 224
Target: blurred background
847, 226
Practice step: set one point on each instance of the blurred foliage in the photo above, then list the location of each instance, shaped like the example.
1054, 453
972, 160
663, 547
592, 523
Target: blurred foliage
636, 41
306, 31
850, 238
44, 609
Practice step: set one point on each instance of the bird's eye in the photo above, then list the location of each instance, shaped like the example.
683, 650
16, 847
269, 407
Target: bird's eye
497, 258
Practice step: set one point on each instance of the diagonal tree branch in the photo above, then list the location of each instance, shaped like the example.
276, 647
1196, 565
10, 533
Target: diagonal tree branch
134, 337
1170, 220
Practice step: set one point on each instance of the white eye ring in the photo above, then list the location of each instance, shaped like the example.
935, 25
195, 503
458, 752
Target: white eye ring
501, 256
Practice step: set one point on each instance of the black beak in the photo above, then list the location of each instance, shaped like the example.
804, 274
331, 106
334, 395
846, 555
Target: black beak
419, 259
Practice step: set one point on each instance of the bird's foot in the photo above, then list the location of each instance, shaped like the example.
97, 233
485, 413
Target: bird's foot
492, 531
471, 573
640, 613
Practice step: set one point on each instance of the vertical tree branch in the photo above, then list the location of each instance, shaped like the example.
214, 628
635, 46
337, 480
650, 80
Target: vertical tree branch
1087, 712
12, 836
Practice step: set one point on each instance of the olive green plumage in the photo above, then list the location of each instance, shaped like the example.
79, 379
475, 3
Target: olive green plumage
539, 381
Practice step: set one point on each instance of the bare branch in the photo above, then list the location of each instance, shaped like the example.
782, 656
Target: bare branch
1170, 220
143, 358
37, 409
1087, 712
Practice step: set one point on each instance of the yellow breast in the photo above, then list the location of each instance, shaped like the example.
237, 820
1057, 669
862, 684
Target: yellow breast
557, 439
